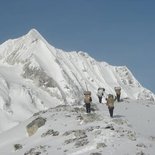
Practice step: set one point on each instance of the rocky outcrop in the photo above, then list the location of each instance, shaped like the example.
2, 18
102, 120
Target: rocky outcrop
34, 125
18, 147
50, 132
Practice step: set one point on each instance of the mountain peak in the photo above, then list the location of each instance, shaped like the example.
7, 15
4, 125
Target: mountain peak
74, 72
33, 33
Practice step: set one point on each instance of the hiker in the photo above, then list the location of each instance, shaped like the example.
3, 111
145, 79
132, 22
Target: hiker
118, 93
100, 94
110, 103
87, 100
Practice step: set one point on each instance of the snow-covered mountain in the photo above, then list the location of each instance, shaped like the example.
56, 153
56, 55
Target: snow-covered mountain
35, 76
39, 82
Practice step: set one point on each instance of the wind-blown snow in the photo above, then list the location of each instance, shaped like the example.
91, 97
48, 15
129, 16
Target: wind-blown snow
35, 76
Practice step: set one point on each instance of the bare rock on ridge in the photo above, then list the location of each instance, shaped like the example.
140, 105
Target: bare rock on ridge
34, 125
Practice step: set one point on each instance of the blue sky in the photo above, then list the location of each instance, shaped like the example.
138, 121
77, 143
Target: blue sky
120, 32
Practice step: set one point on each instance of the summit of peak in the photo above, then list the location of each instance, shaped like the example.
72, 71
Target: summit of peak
35, 34
33, 31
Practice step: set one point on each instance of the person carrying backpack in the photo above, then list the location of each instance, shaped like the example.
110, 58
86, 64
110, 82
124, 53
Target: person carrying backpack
100, 94
87, 100
110, 104
118, 93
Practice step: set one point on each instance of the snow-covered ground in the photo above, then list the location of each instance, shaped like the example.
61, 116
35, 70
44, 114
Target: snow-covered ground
38, 80
69, 130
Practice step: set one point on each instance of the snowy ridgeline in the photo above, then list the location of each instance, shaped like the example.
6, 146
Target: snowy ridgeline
35, 76
68, 130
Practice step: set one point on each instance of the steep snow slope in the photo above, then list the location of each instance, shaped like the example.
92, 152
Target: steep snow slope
67, 71
35, 76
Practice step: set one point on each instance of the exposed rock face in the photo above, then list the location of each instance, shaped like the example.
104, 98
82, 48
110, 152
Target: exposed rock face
34, 125
18, 147
79, 137
37, 150
100, 145
50, 132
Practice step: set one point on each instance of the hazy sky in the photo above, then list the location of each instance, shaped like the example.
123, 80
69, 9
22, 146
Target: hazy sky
120, 32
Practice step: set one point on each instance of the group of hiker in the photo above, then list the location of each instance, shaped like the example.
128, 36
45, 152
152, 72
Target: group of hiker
110, 99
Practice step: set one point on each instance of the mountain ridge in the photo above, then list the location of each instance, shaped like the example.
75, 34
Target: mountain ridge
35, 52
39, 82
43, 76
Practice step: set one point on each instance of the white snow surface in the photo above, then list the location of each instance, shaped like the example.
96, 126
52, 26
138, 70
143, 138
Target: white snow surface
37, 77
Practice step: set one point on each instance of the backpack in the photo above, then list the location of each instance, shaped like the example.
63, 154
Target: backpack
100, 92
118, 90
110, 96
110, 100
87, 92
87, 99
